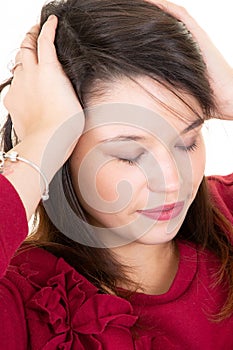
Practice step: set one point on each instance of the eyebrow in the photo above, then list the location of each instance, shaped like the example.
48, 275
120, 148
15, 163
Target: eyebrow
193, 126
190, 127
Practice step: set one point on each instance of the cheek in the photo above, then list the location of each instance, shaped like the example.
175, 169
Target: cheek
107, 188
108, 182
198, 165
119, 185
200, 159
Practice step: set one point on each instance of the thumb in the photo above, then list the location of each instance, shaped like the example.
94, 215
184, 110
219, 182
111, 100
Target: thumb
46, 49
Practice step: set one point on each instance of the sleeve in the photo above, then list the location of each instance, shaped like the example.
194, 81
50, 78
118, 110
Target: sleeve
13, 230
14, 334
13, 223
221, 189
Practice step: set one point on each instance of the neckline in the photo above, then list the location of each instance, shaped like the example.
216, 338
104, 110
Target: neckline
186, 273
187, 269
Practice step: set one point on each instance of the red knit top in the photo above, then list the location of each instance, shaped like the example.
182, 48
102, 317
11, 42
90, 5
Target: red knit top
46, 304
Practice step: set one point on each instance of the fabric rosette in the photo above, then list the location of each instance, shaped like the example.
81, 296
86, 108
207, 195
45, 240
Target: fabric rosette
69, 313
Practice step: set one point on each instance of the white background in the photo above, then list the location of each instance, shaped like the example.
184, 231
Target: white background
17, 16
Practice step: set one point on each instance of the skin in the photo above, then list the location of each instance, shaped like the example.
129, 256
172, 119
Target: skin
35, 116
36, 128
165, 173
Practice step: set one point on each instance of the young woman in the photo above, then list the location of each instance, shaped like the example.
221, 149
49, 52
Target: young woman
131, 247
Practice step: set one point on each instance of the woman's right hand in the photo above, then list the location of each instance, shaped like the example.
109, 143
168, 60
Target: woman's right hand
46, 114
41, 96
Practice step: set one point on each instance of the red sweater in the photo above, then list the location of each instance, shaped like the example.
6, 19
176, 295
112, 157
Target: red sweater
46, 304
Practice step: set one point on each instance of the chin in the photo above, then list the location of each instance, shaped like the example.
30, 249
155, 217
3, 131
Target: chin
160, 233
154, 237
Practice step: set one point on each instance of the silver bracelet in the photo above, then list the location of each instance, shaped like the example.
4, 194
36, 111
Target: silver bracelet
14, 157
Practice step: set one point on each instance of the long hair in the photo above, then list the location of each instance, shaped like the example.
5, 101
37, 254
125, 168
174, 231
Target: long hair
98, 41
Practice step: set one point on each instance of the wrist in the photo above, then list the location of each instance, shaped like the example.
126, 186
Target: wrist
49, 146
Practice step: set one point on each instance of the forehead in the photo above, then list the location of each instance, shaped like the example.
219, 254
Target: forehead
141, 106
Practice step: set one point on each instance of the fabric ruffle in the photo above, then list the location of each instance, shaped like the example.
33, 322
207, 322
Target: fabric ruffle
70, 313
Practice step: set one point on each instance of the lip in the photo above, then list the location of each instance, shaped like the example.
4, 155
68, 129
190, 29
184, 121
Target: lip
164, 212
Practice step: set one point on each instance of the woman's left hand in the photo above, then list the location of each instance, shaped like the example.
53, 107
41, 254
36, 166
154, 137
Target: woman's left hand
219, 71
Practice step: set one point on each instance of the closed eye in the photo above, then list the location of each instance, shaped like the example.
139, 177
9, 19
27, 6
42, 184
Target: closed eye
189, 148
130, 161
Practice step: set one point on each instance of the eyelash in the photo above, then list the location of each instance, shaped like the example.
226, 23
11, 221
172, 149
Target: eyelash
130, 161
190, 148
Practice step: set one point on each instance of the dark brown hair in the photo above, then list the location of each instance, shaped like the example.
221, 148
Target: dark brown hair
98, 41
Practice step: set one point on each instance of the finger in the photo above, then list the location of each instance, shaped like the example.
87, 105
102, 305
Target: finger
168, 6
18, 66
15, 63
175, 10
46, 49
18, 63
28, 48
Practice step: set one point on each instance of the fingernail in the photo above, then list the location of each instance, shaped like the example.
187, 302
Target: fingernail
51, 18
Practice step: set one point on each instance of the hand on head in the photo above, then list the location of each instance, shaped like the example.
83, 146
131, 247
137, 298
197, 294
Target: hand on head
219, 71
41, 96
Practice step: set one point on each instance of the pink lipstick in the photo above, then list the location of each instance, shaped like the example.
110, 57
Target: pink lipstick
164, 212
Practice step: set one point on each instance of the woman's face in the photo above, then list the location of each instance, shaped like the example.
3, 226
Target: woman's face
138, 165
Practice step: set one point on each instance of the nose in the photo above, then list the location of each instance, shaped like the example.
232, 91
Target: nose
163, 173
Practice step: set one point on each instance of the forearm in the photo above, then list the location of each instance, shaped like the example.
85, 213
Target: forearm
48, 149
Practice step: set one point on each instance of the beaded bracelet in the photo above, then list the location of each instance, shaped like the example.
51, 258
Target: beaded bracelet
14, 157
